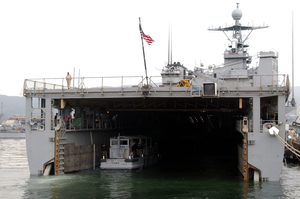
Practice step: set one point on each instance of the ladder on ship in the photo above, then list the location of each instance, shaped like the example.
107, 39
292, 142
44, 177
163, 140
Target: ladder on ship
60, 141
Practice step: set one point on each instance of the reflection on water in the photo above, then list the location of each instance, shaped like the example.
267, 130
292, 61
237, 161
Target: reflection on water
167, 181
14, 171
13, 154
84, 184
290, 181
263, 190
120, 184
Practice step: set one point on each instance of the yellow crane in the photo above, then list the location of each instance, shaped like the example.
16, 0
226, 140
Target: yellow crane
184, 83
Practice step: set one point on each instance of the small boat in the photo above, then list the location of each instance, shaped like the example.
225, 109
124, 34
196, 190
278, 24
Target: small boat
292, 149
130, 152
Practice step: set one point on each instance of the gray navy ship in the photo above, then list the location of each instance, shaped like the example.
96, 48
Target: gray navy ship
235, 109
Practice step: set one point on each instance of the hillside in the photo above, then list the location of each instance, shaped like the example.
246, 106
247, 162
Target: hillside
12, 105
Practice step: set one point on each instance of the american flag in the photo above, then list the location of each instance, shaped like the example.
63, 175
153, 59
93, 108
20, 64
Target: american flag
147, 38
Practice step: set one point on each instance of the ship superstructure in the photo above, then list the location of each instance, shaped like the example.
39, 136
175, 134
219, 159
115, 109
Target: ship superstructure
235, 107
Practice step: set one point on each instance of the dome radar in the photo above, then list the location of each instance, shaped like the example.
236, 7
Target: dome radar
237, 13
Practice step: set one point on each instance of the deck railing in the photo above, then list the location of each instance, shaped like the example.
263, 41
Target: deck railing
101, 83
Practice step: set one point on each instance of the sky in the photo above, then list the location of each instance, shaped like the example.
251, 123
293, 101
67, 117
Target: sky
47, 39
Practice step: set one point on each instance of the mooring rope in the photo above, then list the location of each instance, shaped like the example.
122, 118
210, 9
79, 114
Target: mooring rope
287, 145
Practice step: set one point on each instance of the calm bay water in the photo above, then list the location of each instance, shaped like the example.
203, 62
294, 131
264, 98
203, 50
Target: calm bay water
157, 182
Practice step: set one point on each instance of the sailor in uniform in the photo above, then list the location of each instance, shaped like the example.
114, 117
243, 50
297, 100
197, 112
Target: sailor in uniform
104, 150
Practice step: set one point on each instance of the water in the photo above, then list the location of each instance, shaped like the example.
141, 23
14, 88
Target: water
158, 182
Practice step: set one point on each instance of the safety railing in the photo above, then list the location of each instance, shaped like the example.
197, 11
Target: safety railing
102, 124
273, 83
82, 82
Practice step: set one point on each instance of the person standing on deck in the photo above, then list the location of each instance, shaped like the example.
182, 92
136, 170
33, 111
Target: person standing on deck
139, 149
104, 150
142, 150
69, 119
134, 149
68, 78
97, 120
55, 119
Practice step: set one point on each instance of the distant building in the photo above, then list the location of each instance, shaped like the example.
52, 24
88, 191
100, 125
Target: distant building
15, 119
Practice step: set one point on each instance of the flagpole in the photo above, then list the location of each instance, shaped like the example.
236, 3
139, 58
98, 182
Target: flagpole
293, 102
143, 52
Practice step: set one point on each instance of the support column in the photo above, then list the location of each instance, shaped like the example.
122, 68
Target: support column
28, 109
281, 115
48, 112
256, 114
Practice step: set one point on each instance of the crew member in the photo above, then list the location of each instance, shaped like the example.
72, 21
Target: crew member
139, 149
55, 119
69, 118
97, 120
134, 149
104, 150
142, 148
68, 78
114, 119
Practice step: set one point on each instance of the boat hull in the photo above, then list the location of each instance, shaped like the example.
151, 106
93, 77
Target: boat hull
135, 163
290, 156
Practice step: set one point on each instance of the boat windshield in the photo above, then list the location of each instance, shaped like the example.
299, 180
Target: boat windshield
123, 142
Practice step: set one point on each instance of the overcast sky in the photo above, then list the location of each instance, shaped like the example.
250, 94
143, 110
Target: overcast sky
47, 39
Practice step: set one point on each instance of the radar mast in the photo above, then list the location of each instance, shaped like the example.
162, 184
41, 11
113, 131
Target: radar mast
237, 41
